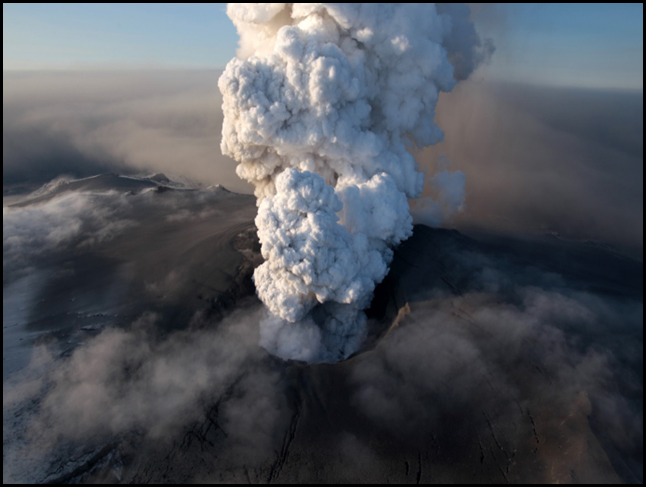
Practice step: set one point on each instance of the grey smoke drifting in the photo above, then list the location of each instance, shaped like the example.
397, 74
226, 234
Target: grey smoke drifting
124, 381
544, 159
33, 234
515, 337
321, 110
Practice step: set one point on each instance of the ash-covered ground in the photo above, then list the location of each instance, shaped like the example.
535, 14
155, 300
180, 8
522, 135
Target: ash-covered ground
130, 352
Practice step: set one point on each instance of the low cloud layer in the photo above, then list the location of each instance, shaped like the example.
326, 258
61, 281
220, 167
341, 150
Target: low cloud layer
458, 352
61, 221
535, 159
85, 123
34, 234
516, 342
133, 380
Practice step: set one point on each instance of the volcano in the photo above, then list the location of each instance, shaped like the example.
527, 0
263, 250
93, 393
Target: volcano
488, 358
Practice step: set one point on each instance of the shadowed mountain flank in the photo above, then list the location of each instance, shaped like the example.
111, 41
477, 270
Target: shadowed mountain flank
488, 359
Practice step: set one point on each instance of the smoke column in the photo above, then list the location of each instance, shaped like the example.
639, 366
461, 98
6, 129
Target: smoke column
320, 108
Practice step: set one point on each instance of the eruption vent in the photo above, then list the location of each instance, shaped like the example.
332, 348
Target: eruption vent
320, 107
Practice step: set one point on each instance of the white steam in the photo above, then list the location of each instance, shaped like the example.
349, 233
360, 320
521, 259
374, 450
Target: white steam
320, 109
447, 189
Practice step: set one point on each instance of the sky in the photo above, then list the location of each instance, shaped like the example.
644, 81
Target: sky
573, 45
63, 36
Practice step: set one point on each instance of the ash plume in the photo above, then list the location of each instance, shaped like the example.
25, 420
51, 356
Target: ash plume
321, 109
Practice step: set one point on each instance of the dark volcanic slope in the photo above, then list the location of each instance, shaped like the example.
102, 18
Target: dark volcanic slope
474, 381
505, 361
101, 251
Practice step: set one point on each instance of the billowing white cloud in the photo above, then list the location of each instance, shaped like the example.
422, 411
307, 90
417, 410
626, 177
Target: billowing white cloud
320, 110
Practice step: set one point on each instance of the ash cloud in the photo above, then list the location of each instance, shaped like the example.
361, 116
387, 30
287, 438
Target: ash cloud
84, 123
448, 195
546, 160
321, 110
465, 49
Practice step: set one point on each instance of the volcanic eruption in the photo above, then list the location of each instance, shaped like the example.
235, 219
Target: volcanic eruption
322, 108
